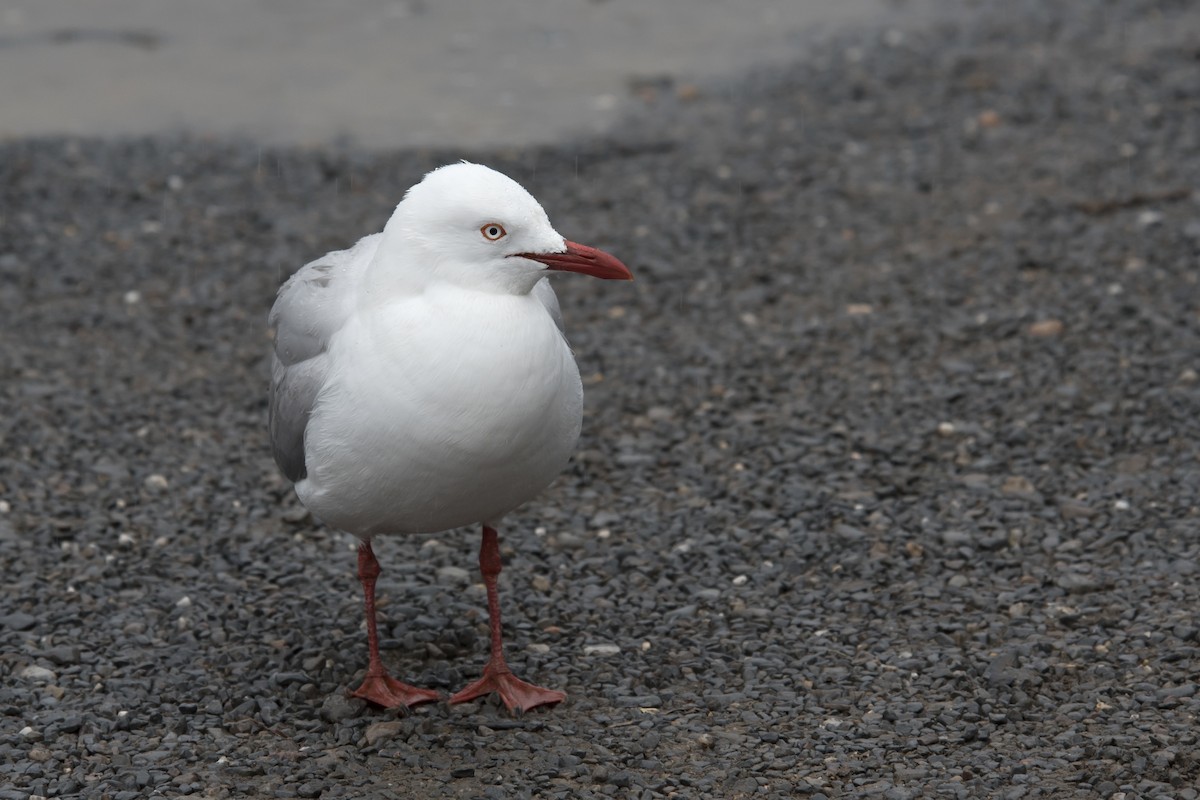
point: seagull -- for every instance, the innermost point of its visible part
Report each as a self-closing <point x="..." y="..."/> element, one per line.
<point x="421" y="381"/>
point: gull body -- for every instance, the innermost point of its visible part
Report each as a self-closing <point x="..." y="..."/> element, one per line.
<point x="421" y="381"/>
<point x="444" y="409"/>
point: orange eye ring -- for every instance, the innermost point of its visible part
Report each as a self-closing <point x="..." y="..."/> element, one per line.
<point x="493" y="231"/>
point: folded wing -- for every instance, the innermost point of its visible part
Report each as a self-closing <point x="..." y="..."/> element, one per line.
<point x="311" y="307"/>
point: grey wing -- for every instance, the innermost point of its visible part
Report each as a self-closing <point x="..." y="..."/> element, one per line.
<point x="544" y="292"/>
<point x="312" y="306"/>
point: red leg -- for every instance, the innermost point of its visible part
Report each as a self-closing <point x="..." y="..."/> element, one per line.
<point x="516" y="693"/>
<point x="378" y="687"/>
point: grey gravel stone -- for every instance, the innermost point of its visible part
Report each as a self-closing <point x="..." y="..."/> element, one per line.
<point x="338" y="707"/>
<point x="18" y="621"/>
<point x="37" y="673"/>
<point x="381" y="731"/>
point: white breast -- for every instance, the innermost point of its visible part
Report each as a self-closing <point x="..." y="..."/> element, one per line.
<point x="444" y="409"/>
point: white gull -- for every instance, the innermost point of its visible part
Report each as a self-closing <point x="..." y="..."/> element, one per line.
<point x="421" y="381"/>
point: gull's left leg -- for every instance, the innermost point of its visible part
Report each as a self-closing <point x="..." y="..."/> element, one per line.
<point x="497" y="677"/>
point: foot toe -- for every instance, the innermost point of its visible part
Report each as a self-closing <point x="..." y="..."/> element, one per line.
<point x="516" y="693"/>
<point x="386" y="691"/>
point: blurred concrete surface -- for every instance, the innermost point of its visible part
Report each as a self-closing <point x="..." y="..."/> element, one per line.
<point x="383" y="73"/>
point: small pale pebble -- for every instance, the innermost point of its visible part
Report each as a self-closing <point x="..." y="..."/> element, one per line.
<point x="537" y="647"/>
<point x="35" y="673"/>
<point x="1149" y="218"/>
<point x="452" y="574"/>
<point x="1121" y="505"/>
<point x="988" y="119"/>
<point x="125" y="539"/>
<point x="646" y="646"/>
<point x="740" y="580"/>
<point x="183" y="602"/>
<point x="601" y="649"/>
<point x="155" y="483"/>
<point x="5" y="507"/>
<point x="660" y="414"/>
<point x="945" y="428"/>
<point x="1046" y="328"/>
<point x="299" y="514"/>
<point x="132" y="297"/>
<point x="859" y="309"/>
<point x="1017" y="484"/>
<point x="382" y="731"/>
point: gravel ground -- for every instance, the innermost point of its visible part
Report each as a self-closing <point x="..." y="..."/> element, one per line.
<point x="889" y="484"/>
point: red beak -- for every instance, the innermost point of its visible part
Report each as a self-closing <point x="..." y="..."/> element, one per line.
<point x="581" y="258"/>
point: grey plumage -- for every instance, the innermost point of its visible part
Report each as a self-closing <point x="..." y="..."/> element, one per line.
<point x="544" y="292"/>
<point x="311" y="306"/>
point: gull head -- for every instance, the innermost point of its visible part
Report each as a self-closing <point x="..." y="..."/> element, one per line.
<point x="473" y="226"/>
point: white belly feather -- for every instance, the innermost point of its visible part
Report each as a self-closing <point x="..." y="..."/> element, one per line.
<point x="413" y="435"/>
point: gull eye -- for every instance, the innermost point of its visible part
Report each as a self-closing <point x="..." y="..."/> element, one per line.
<point x="493" y="231"/>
